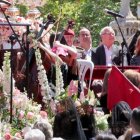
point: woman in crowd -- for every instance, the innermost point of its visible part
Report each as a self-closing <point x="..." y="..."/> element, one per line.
<point x="67" y="124"/>
<point x="102" y="96"/>
<point x="136" y="58"/>
<point x="133" y="76"/>
<point x="120" y="118"/>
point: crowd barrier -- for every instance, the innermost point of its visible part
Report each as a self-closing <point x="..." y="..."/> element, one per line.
<point x="99" y="71"/>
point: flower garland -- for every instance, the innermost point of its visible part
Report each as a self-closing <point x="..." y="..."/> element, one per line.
<point x="46" y="91"/>
<point x="59" y="79"/>
<point x="42" y="77"/>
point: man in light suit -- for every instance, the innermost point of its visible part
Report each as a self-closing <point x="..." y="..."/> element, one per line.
<point x="135" y="123"/>
<point x="108" y="53"/>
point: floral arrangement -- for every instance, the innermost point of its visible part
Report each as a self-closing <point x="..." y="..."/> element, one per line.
<point x="101" y="121"/>
<point x="72" y="90"/>
<point x="22" y="107"/>
<point x="26" y="112"/>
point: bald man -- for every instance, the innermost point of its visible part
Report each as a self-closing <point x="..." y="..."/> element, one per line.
<point x="86" y="43"/>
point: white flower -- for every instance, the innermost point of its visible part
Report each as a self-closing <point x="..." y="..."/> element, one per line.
<point x="42" y="77"/>
<point x="59" y="78"/>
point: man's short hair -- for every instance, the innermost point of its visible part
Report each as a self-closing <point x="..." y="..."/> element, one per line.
<point x="105" y="29"/>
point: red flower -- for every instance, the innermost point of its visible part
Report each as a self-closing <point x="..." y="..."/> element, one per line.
<point x="7" y="136"/>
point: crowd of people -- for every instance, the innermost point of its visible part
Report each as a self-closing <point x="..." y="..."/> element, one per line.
<point x="70" y="122"/>
<point x="67" y="126"/>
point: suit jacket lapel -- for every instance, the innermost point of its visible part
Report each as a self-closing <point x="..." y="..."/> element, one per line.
<point x="93" y="57"/>
<point x="103" y="56"/>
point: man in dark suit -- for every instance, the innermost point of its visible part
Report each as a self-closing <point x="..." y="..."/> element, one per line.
<point x="108" y="53"/>
<point x="135" y="123"/>
<point x="86" y="43"/>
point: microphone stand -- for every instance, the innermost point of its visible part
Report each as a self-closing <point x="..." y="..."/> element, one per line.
<point x="27" y="60"/>
<point x="12" y="38"/>
<point x="122" y="45"/>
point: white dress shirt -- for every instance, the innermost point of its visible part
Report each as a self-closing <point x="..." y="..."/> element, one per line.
<point x="108" y="53"/>
<point x="88" y="54"/>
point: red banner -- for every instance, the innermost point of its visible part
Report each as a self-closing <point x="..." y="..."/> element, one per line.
<point x="121" y="89"/>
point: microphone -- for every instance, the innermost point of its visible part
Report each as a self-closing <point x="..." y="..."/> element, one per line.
<point x="113" y="13"/>
<point x="5" y="2"/>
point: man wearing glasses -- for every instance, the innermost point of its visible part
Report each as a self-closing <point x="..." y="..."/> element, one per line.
<point x="108" y="53"/>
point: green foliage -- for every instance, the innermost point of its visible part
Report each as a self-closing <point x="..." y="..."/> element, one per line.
<point x="23" y="9"/>
<point x="86" y="13"/>
<point x="93" y="17"/>
<point x="101" y="122"/>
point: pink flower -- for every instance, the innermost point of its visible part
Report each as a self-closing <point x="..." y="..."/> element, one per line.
<point x="7" y="136"/>
<point x="73" y="88"/>
<point x="30" y="115"/>
<point x="43" y="114"/>
<point x="21" y="114"/>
